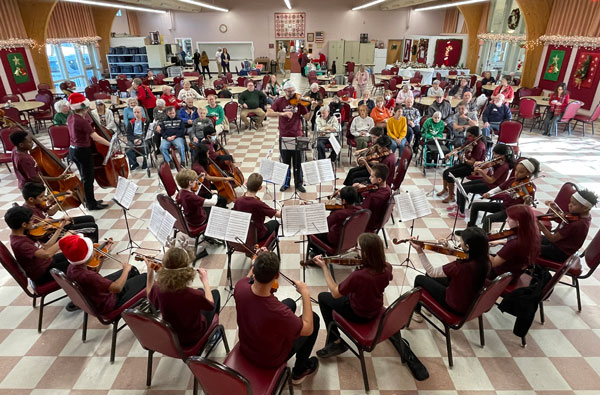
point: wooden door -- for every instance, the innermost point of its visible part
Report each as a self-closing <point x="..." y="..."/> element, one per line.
<point x="394" y="52"/>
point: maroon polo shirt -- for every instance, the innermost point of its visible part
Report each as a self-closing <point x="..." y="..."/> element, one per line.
<point x="259" y="211"/>
<point x="365" y="289"/>
<point x="266" y="327"/>
<point x="464" y="286"/>
<point x="289" y="127"/>
<point x="192" y="207"/>
<point x="516" y="259"/>
<point x="94" y="286"/>
<point x="183" y="310"/>
<point x="335" y="220"/>
<point x="24" y="250"/>
<point x="573" y="235"/>
<point x="390" y="162"/>
<point x="376" y="201"/>
<point x="26" y="169"/>
<point x="478" y="152"/>
<point x="80" y="131"/>
<point x="500" y="174"/>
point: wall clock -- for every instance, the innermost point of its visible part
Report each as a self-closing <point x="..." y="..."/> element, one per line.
<point x="223" y="28"/>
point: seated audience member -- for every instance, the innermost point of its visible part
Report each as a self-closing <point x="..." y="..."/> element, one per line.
<point x="34" y="196"/>
<point x="462" y="120"/>
<point x="404" y="93"/>
<point x="335" y="105"/>
<point x="128" y="111"/>
<point x="188" y="310"/>
<point x="104" y="293"/>
<point x="160" y="113"/>
<point x="250" y="203"/>
<point x="336" y="218"/>
<point x="360" y="127"/>
<point x="435" y="89"/>
<point x="442" y="106"/>
<point x="187" y="92"/>
<point x="136" y="134"/>
<point x="216" y="111"/>
<point x="358" y="298"/>
<point x="376" y="200"/>
<point x="104" y="116"/>
<point x="413" y="117"/>
<point x="269" y="331"/>
<point x="63" y="110"/>
<point x="558" y="103"/>
<point x="459" y="89"/>
<point x="380" y="114"/>
<point x="172" y="131"/>
<point x="315" y="96"/>
<point x="487" y="78"/>
<point x="193" y="204"/>
<point x="325" y="125"/>
<point x="367" y="101"/>
<point x="434" y="128"/>
<point x="197" y="129"/>
<point x="150" y="77"/>
<point x="252" y="101"/>
<point x="397" y="129"/>
<point x="169" y="97"/>
<point x="389" y="102"/>
<point x="273" y="89"/>
<point x="504" y="89"/>
<point x="494" y="113"/>
<point x="469" y="102"/>
<point x="188" y="112"/>
<point x="456" y="285"/>
<point x="567" y="239"/>
<point x="520" y="250"/>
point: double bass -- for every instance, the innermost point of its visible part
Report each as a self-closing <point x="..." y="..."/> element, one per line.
<point x="107" y="175"/>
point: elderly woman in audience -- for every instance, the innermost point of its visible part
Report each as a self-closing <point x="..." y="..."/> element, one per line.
<point x="63" y="110"/>
<point x="187" y="91"/>
<point x="326" y="124"/>
<point x="459" y="89"/>
<point x="361" y="126"/>
<point x="362" y="79"/>
<point x="105" y="116"/>
<point x="404" y="93"/>
<point x="315" y="96"/>
<point x="558" y="103"/>
<point x="380" y="114"/>
<point x="169" y="97"/>
<point x="435" y="89"/>
<point x="390" y="102"/>
<point x="273" y="89"/>
<point x="493" y="115"/>
<point x="366" y="100"/>
<point x="441" y="105"/>
<point x="188" y="112"/>
<point x="128" y="111"/>
<point x="505" y="89"/>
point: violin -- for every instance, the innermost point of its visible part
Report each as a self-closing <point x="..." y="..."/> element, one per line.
<point x="298" y="99"/>
<point x="332" y="207"/>
<point x="519" y="189"/>
<point x="43" y="227"/>
<point x="155" y="263"/>
<point x="196" y="187"/>
<point x="490" y="163"/>
<point x="435" y="246"/>
<point x="107" y="169"/>
<point x="224" y="188"/>
<point x="466" y="147"/>
<point x="101" y="250"/>
<point x="502" y="235"/>
<point x="335" y="260"/>
<point x="564" y="217"/>
<point x="367" y="188"/>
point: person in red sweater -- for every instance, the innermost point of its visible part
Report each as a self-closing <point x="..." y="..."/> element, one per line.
<point x="145" y="97"/>
<point x="169" y="97"/>
<point x="558" y="103"/>
<point x="250" y="203"/>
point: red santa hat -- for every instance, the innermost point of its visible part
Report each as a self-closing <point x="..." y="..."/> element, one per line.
<point x="78" y="250"/>
<point x="78" y="101"/>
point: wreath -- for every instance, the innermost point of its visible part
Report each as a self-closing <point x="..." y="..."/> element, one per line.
<point x="514" y="18"/>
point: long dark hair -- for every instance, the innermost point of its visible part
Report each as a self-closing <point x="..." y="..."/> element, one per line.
<point x="372" y="252"/>
<point x="479" y="249"/>
<point x="507" y="152"/>
<point x="564" y="88"/>
<point x="528" y="233"/>
<point x="202" y="155"/>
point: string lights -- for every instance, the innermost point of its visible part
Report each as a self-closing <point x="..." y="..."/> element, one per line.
<point x="13" y="43"/>
<point x="571" y="41"/>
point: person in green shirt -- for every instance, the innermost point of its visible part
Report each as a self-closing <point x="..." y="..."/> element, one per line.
<point x="214" y="110"/>
<point x="63" y="110"/>
<point x="251" y="101"/>
<point x="434" y="128"/>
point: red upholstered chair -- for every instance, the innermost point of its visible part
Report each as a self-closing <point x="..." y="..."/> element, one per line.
<point x="388" y="323"/>
<point x="32" y="290"/>
<point x="376" y="85"/>
<point x="527" y="110"/>
<point x="12" y="98"/>
<point x="509" y="134"/>
<point x="568" y="115"/>
<point x="236" y="375"/>
<point x="424" y="89"/>
<point x="101" y="96"/>
<point x="403" y="163"/>
<point x="352" y="227"/>
<point x="385" y="218"/>
<point x="46" y="112"/>
<point x="265" y="81"/>
<point x="270" y="243"/>
<point x="349" y="137"/>
<point x="122" y="85"/>
<point x="350" y="67"/>
<point x="156" y="335"/>
<point x="77" y="296"/>
<point x="585" y="119"/>
<point x="229" y="77"/>
<point x="104" y="86"/>
<point x="191" y="74"/>
<point x="15" y="115"/>
<point x="351" y="77"/>
<point x="393" y="86"/>
<point x="242" y="81"/>
<point x="159" y="79"/>
<point x="485" y="301"/>
<point x="231" y="112"/>
<point x="167" y="179"/>
<point x="181" y="224"/>
<point x="6" y="157"/>
<point x="209" y="92"/>
<point x="59" y="140"/>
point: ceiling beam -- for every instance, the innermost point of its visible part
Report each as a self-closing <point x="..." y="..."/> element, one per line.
<point x="395" y="4"/>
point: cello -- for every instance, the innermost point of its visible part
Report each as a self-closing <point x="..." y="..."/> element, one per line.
<point x="229" y="167"/>
<point x="224" y="188"/>
<point x="107" y="174"/>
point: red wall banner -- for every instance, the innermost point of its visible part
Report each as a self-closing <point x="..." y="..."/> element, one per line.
<point x="447" y="52"/>
<point x="17" y="70"/>
<point x="585" y="77"/>
<point x="551" y="85"/>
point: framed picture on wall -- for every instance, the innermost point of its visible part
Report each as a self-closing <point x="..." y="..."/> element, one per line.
<point x="310" y="37"/>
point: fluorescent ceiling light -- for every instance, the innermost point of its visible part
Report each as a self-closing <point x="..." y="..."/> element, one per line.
<point x="201" y="4"/>
<point x="287" y="4"/>
<point x="114" y="5"/>
<point x="367" y="5"/>
<point x="453" y="4"/>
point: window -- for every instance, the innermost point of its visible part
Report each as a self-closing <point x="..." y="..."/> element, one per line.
<point x="72" y="62"/>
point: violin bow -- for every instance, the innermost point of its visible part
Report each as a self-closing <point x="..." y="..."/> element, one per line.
<point x="52" y="194"/>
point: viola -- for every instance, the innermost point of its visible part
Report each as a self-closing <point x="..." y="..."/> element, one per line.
<point x="155" y="264"/>
<point x="434" y="246"/>
<point x="107" y="174"/>
<point x="196" y="187"/>
<point x="42" y="228"/>
<point x="367" y="188"/>
<point x="332" y="207"/>
<point x="224" y="188"/>
<point x="564" y="217"/>
<point x="101" y="250"/>
<point x="298" y="99"/>
<point x="335" y="260"/>
<point x="502" y="235"/>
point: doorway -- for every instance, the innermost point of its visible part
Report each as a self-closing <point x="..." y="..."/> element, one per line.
<point x="394" y="52"/>
<point x="289" y="45"/>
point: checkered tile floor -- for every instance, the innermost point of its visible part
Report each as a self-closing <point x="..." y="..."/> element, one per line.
<point x="562" y="356"/>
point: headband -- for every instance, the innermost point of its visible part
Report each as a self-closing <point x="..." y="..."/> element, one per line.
<point x="582" y="200"/>
<point x="528" y="165"/>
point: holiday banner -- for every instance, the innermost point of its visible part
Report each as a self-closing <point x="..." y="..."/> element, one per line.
<point x="585" y="77"/>
<point x="560" y="71"/>
<point x="554" y="65"/>
<point x="447" y="52"/>
<point x="290" y="24"/>
<point x="407" y="47"/>
<point x="422" y="51"/>
<point x="17" y="70"/>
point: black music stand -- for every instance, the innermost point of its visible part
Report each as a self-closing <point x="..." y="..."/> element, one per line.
<point x="296" y="144"/>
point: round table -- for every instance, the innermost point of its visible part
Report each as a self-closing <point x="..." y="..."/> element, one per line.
<point x="542" y="101"/>
<point x="256" y="77"/>
<point x="202" y="103"/>
<point x="159" y="88"/>
<point x="236" y="90"/>
<point x="427" y="101"/>
<point x="353" y="103"/>
<point x="325" y="78"/>
<point x="385" y="77"/>
<point x="170" y="80"/>
<point x="25" y="106"/>
<point x="332" y="89"/>
<point x="122" y="104"/>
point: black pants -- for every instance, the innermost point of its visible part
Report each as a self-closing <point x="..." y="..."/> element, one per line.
<point x="226" y="68"/>
<point x="459" y="170"/>
<point x="58" y="262"/>
<point x="134" y="284"/>
<point x="476" y="187"/>
<point x="84" y="222"/>
<point x="498" y="214"/>
<point x="197" y="67"/>
<point x="221" y="201"/>
<point x="328" y="304"/>
<point x="416" y="136"/>
<point x="551" y="252"/>
<point x="412" y="131"/>
<point x="437" y="289"/>
<point x="207" y="70"/>
<point x="322" y="149"/>
<point x="303" y="345"/>
<point x="217" y="302"/>
<point x="356" y="174"/>
<point x="289" y="156"/>
<point x="82" y="157"/>
<point x="272" y="227"/>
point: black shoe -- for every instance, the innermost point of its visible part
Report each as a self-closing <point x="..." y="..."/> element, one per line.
<point x="172" y="165"/>
<point x="98" y="206"/>
<point x="283" y="188"/>
<point x="332" y="349"/>
<point x="311" y="369"/>
<point x="134" y="166"/>
<point x="458" y="232"/>
<point x="71" y="307"/>
<point x="300" y="189"/>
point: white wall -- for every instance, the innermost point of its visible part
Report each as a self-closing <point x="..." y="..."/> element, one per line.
<point x="120" y="24"/>
<point x="255" y="22"/>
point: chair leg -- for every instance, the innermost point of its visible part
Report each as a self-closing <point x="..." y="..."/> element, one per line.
<point x="229" y="271"/>
<point x="448" y="345"/>
<point x="393" y="222"/>
<point x="195" y="390"/>
<point x="363" y="367"/>
<point x="149" y="369"/>
<point x="84" y="331"/>
<point x="384" y="238"/>
<point x="523" y="342"/>
<point x="113" y="343"/>
<point x="577" y="291"/>
<point x="481" y="335"/>
<point x="542" y="312"/>
<point x="41" y="314"/>
<point x="225" y="343"/>
<point x="35" y="297"/>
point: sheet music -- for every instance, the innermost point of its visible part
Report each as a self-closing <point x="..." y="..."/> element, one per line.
<point x="114" y="143"/>
<point x="293" y="219"/>
<point x="161" y="223"/>
<point x="325" y="170"/>
<point x="150" y="131"/>
<point x="288" y="143"/>
<point x="316" y="218"/>
<point x="420" y="203"/>
<point x="304" y="219"/>
<point x="272" y="171"/>
<point x="310" y="170"/>
<point x="459" y="186"/>
<point x="226" y="224"/>
<point x="412" y="205"/>
<point x="335" y="145"/>
<point x="125" y="192"/>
